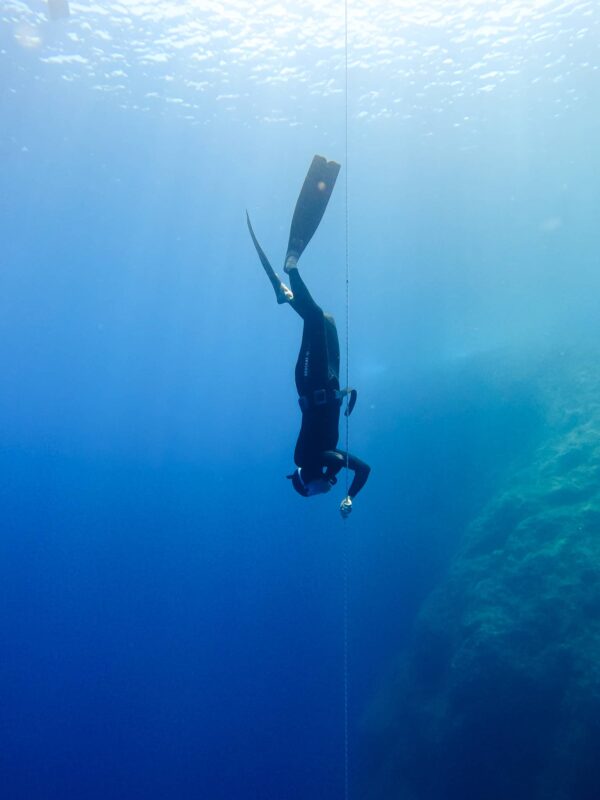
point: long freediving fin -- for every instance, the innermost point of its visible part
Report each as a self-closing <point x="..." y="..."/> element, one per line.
<point x="310" y="206"/>
<point x="278" y="286"/>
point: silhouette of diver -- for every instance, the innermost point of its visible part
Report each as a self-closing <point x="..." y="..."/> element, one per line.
<point x="317" y="458"/>
<point x="58" y="9"/>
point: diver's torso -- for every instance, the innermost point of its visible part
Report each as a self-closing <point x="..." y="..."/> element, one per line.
<point x="319" y="432"/>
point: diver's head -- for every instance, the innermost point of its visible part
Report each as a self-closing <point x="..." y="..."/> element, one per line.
<point x="310" y="487"/>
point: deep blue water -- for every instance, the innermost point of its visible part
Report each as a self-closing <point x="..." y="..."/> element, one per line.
<point x="170" y="613"/>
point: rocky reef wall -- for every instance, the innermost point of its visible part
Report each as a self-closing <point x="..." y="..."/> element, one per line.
<point x="498" y="695"/>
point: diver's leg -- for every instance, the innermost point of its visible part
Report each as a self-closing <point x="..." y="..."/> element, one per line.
<point x="319" y="339"/>
<point x="312" y="365"/>
<point x="302" y="302"/>
<point x="333" y="351"/>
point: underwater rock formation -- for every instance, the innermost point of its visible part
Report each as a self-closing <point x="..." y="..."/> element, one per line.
<point x="498" y="695"/>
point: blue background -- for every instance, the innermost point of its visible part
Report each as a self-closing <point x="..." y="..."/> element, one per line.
<point x="170" y="612"/>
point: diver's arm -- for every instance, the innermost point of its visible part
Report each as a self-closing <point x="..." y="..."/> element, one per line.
<point x="361" y="474"/>
<point x="335" y="460"/>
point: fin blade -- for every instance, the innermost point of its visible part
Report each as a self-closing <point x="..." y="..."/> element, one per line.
<point x="261" y="253"/>
<point x="311" y="204"/>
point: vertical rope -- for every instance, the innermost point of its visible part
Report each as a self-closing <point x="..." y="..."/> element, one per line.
<point x="346" y="544"/>
<point x="347" y="231"/>
<point x="346" y="726"/>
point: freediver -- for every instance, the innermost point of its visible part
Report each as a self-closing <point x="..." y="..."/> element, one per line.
<point x="317" y="459"/>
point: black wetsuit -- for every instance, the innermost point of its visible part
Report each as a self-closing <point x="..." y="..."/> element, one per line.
<point x="318" y="367"/>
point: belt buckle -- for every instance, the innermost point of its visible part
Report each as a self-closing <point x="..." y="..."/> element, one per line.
<point x="320" y="397"/>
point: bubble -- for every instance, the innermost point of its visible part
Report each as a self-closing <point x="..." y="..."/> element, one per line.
<point x="321" y="186"/>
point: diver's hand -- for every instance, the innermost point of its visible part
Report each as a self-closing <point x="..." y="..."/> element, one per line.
<point x="346" y="507"/>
